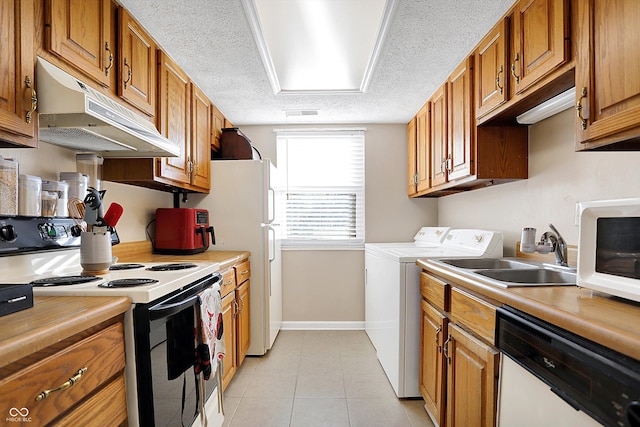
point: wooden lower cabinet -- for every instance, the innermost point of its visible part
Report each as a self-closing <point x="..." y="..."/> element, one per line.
<point x="236" y="317"/>
<point x="432" y="369"/>
<point x="243" y="319"/>
<point x="81" y="383"/>
<point x="472" y="380"/>
<point x="459" y="366"/>
<point x="229" y="365"/>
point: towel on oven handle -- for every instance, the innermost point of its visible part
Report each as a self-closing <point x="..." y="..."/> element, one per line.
<point x="208" y="331"/>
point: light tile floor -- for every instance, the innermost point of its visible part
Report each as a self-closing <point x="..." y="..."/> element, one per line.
<point x="318" y="378"/>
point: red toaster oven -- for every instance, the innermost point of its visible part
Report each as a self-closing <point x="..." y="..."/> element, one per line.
<point x="182" y="231"/>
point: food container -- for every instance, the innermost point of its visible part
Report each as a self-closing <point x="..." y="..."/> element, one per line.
<point x="8" y="186"/>
<point x="29" y="195"/>
<point x="78" y="184"/>
<point x="61" y="189"/>
<point x="49" y="202"/>
<point x="90" y="164"/>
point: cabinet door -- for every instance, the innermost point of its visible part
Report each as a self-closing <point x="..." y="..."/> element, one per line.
<point x="217" y="123"/>
<point x="540" y="40"/>
<point x="243" y="337"/>
<point x="79" y="32"/>
<point x="460" y="138"/>
<point x="607" y="81"/>
<point x="137" y="61"/>
<point x="200" y="139"/>
<point x="174" y="117"/>
<point x="438" y="165"/>
<point x="423" y="147"/>
<point x="472" y="380"/>
<point x="412" y="167"/>
<point x="229" y="366"/>
<point x="17" y="110"/>
<point x="491" y="70"/>
<point x="432" y="371"/>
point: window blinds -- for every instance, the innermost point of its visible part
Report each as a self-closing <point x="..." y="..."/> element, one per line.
<point x="324" y="194"/>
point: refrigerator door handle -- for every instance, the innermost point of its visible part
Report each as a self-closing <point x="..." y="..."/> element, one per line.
<point x="272" y="242"/>
<point x="271" y="208"/>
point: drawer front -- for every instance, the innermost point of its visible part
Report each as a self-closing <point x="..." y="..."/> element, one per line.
<point x="101" y="354"/>
<point x="228" y="282"/>
<point x="243" y="271"/>
<point x="435" y="291"/>
<point x="108" y="407"/>
<point x="473" y="313"/>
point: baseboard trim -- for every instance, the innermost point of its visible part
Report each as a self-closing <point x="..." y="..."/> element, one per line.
<point x="318" y="326"/>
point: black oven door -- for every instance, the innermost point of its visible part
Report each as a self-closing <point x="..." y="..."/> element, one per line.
<point x="165" y="353"/>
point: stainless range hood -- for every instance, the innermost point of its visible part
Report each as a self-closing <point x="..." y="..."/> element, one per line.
<point x="76" y="116"/>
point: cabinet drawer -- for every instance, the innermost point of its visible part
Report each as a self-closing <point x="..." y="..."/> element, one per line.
<point x="477" y="315"/>
<point x="102" y="354"/>
<point x="243" y="271"/>
<point x="435" y="291"/>
<point x="108" y="407"/>
<point x="228" y="281"/>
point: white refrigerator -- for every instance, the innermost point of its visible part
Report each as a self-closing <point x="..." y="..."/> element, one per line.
<point x="243" y="210"/>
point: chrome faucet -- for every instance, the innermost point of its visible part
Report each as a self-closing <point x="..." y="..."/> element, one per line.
<point x="549" y="241"/>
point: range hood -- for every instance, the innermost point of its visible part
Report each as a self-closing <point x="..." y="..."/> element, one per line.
<point x="76" y="116"/>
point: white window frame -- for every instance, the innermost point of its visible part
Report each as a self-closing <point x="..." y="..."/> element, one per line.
<point x="356" y="188"/>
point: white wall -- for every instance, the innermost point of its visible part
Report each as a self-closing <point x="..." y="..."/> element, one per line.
<point x="558" y="178"/>
<point x="328" y="286"/>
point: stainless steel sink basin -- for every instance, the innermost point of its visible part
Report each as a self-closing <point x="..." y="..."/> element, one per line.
<point x="531" y="276"/>
<point x="488" y="263"/>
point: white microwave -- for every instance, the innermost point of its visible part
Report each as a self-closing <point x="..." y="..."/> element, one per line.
<point x="609" y="247"/>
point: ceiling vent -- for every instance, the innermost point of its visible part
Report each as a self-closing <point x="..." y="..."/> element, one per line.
<point x="298" y="113"/>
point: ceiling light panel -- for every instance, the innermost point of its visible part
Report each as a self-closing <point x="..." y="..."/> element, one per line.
<point x="318" y="45"/>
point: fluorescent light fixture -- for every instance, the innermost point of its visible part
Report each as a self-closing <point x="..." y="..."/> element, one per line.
<point x="553" y="106"/>
<point x="319" y="46"/>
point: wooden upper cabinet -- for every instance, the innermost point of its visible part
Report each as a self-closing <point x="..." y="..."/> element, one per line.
<point x="18" y="100"/>
<point x="217" y="123"/>
<point x="438" y="166"/>
<point x="423" y="148"/>
<point x="461" y="123"/>
<point x="173" y="117"/>
<point x="607" y="79"/>
<point x="137" y="64"/>
<point x="412" y="167"/>
<point x="79" y="32"/>
<point x="491" y="69"/>
<point x="200" y="139"/>
<point x="540" y="40"/>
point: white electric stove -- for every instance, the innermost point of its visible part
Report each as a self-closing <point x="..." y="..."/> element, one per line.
<point x="392" y="294"/>
<point x="44" y="253"/>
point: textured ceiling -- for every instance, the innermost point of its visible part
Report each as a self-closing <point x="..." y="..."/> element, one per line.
<point x="213" y="43"/>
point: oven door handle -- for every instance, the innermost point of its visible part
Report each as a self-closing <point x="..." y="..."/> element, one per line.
<point x="165" y="310"/>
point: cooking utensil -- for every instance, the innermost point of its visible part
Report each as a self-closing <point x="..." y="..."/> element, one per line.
<point x="113" y="214"/>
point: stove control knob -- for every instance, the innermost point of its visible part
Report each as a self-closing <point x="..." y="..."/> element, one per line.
<point x="8" y="233"/>
<point x="76" y="231"/>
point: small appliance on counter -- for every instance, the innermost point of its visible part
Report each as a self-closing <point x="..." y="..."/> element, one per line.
<point x="14" y="298"/>
<point x="182" y="231"/>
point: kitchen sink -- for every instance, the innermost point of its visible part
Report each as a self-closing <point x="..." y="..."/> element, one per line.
<point x="488" y="263"/>
<point x="531" y="276"/>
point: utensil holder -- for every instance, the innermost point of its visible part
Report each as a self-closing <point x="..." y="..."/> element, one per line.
<point x="95" y="252"/>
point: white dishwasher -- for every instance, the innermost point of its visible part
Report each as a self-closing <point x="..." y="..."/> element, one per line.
<point x="392" y="294"/>
<point x="551" y="377"/>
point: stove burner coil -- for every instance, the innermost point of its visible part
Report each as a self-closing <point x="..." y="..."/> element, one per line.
<point x="64" y="280"/>
<point x="116" y="267"/>
<point x="126" y="283"/>
<point x="172" y="266"/>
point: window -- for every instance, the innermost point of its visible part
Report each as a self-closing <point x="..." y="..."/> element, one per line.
<point x="323" y="194"/>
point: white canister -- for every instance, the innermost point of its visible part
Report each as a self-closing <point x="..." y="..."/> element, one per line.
<point x="61" y="189"/>
<point x="78" y="184"/>
<point x="29" y="195"/>
<point x="95" y="252"/>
